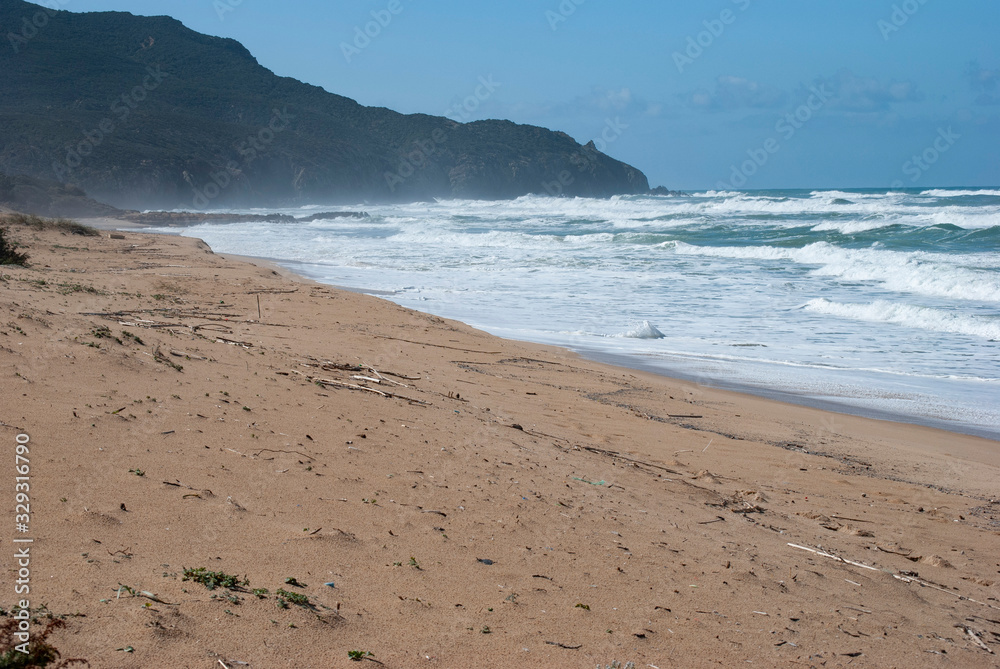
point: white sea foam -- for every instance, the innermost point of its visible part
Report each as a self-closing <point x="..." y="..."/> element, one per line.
<point x="720" y="193"/>
<point x="960" y="193"/>
<point x="644" y="330"/>
<point x="919" y="272"/>
<point x="715" y="269"/>
<point x="908" y="315"/>
<point x="853" y="227"/>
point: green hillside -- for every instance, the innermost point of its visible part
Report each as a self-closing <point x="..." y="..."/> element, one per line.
<point x="143" y="112"/>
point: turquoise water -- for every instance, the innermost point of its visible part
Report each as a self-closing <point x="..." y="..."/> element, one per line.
<point x="876" y="301"/>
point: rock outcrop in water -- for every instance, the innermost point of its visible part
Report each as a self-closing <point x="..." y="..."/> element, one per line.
<point x="143" y="112"/>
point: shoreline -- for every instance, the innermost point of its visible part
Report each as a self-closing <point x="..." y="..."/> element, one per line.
<point x="665" y="371"/>
<point x="798" y="399"/>
<point x="438" y="495"/>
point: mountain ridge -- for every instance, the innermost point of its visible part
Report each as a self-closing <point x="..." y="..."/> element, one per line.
<point x="153" y="114"/>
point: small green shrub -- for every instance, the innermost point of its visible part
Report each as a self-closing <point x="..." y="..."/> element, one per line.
<point x="214" y="579"/>
<point x="8" y="256"/>
<point x="292" y="597"/>
<point x="358" y="655"/>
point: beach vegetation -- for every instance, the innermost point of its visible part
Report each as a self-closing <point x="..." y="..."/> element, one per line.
<point x="63" y="225"/>
<point x="358" y="655"/>
<point x="8" y="254"/>
<point x="292" y="598"/>
<point x="214" y="579"/>
<point x="104" y="332"/>
<point x="68" y="288"/>
<point x="37" y="653"/>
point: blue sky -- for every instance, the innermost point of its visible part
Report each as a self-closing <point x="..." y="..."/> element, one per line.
<point x="697" y="94"/>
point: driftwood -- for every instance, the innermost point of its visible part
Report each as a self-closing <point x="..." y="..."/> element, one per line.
<point x="975" y="637"/>
<point x="271" y="450"/>
<point x="347" y="367"/>
<point x="616" y="454"/>
<point x="899" y="577"/>
<point x="191" y="356"/>
<point x="354" y="386"/>
<point x="453" y="348"/>
<point x="233" y="342"/>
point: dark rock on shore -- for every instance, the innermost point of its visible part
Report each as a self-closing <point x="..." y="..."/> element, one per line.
<point x="663" y="190"/>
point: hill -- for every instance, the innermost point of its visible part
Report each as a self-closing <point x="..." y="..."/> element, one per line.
<point x="144" y="112"/>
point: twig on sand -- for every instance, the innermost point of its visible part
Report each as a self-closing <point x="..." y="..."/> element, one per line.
<point x="453" y="348"/>
<point x="178" y="484"/>
<point x="565" y="645"/>
<point x="533" y="433"/>
<point x="381" y="378"/>
<point x="975" y="637"/>
<point x="354" y="386"/>
<point x="271" y="450"/>
<point x="616" y="454"/>
<point x="898" y="577"/>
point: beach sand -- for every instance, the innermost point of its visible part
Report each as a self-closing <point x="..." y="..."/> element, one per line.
<point x="446" y="498"/>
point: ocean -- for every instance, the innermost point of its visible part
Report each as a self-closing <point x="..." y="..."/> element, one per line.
<point x="862" y="301"/>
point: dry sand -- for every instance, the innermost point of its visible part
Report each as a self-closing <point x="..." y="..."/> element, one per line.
<point x="504" y="504"/>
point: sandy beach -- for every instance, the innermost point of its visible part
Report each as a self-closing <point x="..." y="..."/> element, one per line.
<point x="440" y="497"/>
